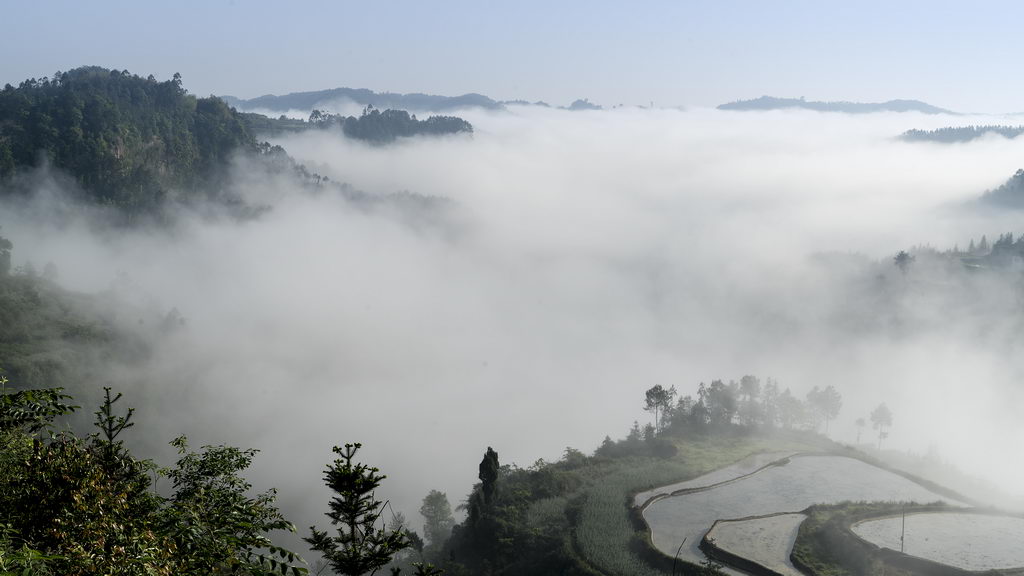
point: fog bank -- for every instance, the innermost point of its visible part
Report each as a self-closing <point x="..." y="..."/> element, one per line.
<point x="586" y="257"/>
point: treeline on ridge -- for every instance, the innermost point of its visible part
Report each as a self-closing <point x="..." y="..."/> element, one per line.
<point x="951" y="134"/>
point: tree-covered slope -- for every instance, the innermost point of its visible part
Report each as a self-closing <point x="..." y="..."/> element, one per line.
<point x="128" y="141"/>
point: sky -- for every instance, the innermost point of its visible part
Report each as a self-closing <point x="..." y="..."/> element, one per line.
<point x="956" y="55"/>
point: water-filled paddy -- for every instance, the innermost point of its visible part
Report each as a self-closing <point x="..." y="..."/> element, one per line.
<point x="968" y="541"/>
<point x="748" y="465"/>
<point x="804" y="481"/>
<point x="767" y="541"/>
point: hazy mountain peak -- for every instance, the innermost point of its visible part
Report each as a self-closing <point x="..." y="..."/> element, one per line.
<point x="775" y="103"/>
<point x="362" y="96"/>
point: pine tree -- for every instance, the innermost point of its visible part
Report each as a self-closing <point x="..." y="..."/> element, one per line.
<point x="363" y="544"/>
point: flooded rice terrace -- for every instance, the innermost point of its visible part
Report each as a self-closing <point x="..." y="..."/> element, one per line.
<point x="968" y="541"/>
<point x="790" y="487"/>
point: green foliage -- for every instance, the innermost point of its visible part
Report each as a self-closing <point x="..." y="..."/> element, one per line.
<point x="85" y="506"/>
<point x="362" y="545"/>
<point x="31" y="410"/>
<point x="18" y="559"/>
<point x="126" y="140"/>
<point x="214" y="525"/>
<point x="423" y="569"/>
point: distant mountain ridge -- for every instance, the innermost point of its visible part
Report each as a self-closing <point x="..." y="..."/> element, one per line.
<point x="365" y="97"/>
<point x="773" y="103"/>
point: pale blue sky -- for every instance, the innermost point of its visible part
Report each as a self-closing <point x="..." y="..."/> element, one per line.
<point x="959" y="55"/>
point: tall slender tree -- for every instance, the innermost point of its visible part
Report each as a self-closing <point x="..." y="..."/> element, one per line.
<point x="489" y="474"/>
<point x="437" y="516"/>
<point x="363" y="544"/>
<point x="881" y="418"/>
<point x="658" y="400"/>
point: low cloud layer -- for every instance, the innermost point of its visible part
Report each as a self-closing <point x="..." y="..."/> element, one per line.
<point x="585" y="258"/>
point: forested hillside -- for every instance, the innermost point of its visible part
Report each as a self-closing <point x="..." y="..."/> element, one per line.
<point x="51" y="336"/>
<point x="128" y="141"/>
<point x="1009" y="195"/>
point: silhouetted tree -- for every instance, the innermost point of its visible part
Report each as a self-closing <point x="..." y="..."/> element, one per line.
<point x="720" y="400"/>
<point x="363" y="544"/>
<point x="489" y="474"/>
<point x="903" y="260"/>
<point x="659" y="400"/>
<point x="437" y="515"/>
<point x="791" y="409"/>
<point x="881" y="418"/>
<point x="825" y="403"/>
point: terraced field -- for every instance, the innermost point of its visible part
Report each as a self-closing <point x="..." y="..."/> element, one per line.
<point x="791" y="486"/>
<point x="766" y="541"/>
<point x="970" y="541"/>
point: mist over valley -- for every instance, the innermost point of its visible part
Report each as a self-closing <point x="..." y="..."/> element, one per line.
<point x="767" y="326"/>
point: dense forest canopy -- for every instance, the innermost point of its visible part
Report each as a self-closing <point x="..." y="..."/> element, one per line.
<point x="128" y="141"/>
